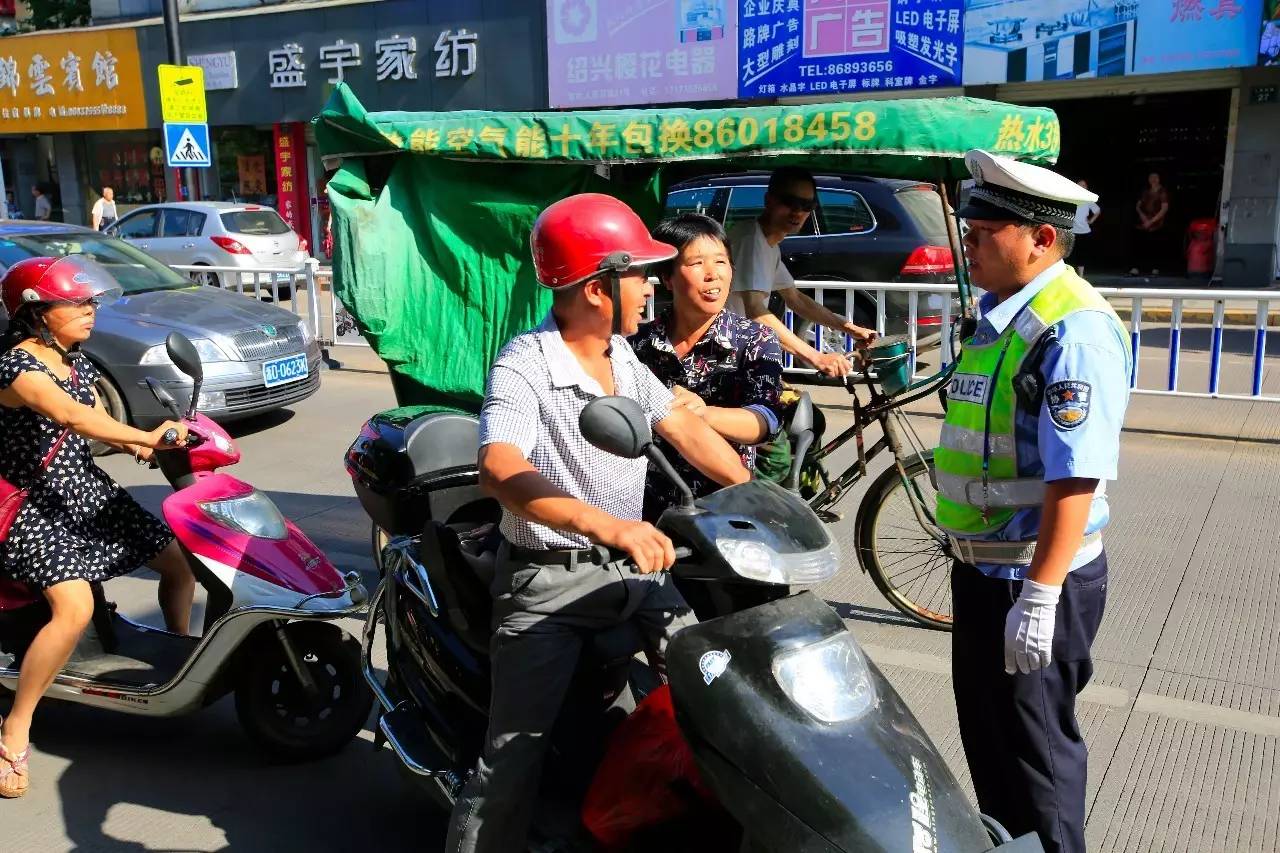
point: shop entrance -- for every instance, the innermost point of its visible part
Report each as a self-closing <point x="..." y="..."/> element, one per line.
<point x="1114" y="143"/>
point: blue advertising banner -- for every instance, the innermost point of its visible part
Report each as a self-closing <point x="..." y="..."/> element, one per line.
<point x="805" y="47"/>
<point x="1017" y="41"/>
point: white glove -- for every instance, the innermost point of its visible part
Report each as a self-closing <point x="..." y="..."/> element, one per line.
<point x="1028" y="629"/>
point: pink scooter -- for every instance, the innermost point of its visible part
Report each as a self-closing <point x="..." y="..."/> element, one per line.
<point x="268" y="636"/>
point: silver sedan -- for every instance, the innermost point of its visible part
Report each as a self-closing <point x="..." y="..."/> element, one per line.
<point x="257" y="357"/>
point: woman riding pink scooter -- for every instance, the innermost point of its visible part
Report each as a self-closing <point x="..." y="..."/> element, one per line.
<point x="76" y="526"/>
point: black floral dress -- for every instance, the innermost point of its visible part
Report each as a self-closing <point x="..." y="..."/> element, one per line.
<point x="77" y="523"/>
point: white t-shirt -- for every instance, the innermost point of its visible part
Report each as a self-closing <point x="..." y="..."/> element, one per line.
<point x="1083" y="212"/>
<point x="104" y="209"/>
<point x="44" y="209"/>
<point x="756" y="265"/>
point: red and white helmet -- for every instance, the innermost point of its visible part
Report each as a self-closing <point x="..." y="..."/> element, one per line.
<point x="584" y="235"/>
<point x="71" y="279"/>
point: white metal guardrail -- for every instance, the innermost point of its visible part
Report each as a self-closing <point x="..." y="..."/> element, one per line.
<point x="1213" y="317"/>
<point x="929" y="321"/>
<point x="281" y="284"/>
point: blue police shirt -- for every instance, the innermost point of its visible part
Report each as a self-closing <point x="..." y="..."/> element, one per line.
<point x="1077" y="433"/>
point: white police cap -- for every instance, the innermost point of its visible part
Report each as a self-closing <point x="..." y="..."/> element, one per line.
<point x="1009" y="190"/>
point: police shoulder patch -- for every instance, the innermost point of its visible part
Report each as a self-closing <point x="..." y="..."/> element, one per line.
<point x="1068" y="402"/>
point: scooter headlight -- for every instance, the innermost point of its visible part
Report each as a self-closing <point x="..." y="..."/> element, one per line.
<point x="756" y="561"/>
<point x="830" y="680"/>
<point x="253" y="514"/>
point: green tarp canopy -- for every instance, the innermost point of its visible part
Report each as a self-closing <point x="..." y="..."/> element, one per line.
<point x="432" y="211"/>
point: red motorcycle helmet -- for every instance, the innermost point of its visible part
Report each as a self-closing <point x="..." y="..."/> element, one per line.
<point x="583" y="236"/>
<point x="47" y="281"/>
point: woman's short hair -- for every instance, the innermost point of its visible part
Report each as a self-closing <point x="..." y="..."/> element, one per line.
<point x="680" y="231"/>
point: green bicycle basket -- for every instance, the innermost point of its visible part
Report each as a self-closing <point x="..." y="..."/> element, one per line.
<point x="891" y="360"/>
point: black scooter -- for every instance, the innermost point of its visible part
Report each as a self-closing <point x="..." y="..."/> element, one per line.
<point x="799" y="736"/>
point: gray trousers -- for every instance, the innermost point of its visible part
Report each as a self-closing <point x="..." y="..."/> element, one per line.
<point x="542" y="614"/>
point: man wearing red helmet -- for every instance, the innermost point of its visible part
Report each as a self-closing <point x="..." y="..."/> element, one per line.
<point x="563" y="498"/>
<point x="76" y="525"/>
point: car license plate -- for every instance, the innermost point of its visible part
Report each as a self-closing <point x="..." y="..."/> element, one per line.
<point x="282" y="371"/>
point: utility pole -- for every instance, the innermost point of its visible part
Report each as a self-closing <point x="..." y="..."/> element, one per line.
<point x="175" y="58"/>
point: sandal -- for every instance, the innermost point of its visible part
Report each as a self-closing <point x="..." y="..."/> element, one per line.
<point x="14" y="779"/>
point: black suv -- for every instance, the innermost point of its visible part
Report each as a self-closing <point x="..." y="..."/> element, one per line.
<point x="864" y="229"/>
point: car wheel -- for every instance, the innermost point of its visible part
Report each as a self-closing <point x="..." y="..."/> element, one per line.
<point x="114" y="403"/>
<point x="209" y="279"/>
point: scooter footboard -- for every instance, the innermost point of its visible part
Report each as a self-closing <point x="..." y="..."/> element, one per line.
<point x="801" y="736"/>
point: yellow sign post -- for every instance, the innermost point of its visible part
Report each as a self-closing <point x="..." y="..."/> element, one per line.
<point x="182" y="94"/>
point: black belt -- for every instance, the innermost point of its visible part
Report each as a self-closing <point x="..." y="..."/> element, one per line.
<point x="597" y="555"/>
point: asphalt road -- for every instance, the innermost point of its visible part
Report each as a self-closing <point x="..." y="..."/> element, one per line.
<point x="1183" y="718"/>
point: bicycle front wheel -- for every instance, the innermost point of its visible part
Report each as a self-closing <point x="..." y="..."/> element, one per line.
<point x="908" y="565"/>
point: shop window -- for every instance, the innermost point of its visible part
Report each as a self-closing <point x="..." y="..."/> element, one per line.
<point x="844" y="212"/>
<point x="134" y="169"/>
<point x="182" y="223"/>
<point x="139" y="226"/>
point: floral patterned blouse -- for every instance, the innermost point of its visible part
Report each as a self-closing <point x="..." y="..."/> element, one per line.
<point x="736" y="364"/>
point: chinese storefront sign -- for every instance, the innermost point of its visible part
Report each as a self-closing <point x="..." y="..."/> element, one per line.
<point x="799" y="47"/>
<point x="1030" y="40"/>
<point x="610" y="52"/>
<point x="395" y="58"/>
<point x="291" y="176"/>
<point x="1192" y="35"/>
<point x="252" y="171"/>
<point x="71" y="82"/>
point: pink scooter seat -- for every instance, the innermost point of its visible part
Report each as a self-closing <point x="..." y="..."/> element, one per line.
<point x="15" y="595"/>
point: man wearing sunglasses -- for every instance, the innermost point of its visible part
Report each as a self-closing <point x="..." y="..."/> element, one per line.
<point x="758" y="270"/>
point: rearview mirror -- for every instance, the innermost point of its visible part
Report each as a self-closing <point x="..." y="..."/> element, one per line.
<point x="184" y="356"/>
<point x="616" y="425"/>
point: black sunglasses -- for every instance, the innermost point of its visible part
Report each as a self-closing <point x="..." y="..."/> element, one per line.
<point x="796" y="202"/>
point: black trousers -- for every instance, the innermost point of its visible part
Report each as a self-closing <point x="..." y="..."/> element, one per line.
<point x="1021" y="739"/>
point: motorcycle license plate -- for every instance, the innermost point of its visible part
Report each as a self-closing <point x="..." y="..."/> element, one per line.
<point x="282" y="371"/>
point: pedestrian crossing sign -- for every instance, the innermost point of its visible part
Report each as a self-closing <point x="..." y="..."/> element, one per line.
<point x="186" y="145"/>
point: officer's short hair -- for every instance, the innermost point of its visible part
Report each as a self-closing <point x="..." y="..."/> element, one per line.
<point x="1064" y="239"/>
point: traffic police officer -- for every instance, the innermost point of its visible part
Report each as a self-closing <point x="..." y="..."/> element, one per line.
<point x="1031" y="436"/>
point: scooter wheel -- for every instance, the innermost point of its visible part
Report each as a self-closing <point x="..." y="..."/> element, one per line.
<point x="283" y="718"/>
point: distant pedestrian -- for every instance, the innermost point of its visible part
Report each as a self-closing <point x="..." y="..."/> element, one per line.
<point x="1153" y="212"/>
<point x="1086" y="215"/>
<point x="44" y="209"/>
<point x="104" y="210"/>
<point x="12" y="211"/>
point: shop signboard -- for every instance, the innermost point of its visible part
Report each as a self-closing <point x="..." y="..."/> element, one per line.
<point x="1195" y="35"/>
<point x="613" y="52"/>
<point x="1015" y="41"/>
<point x="219" y="69"/>
<point x="803" y="47"/>
<point x="291" y="180"/>
<point x="58" y="82"/>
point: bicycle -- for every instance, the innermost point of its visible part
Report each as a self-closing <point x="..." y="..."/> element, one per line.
<point x="898" y="540"/>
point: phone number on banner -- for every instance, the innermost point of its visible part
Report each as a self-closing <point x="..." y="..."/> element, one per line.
<point x="620" y="140"/>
